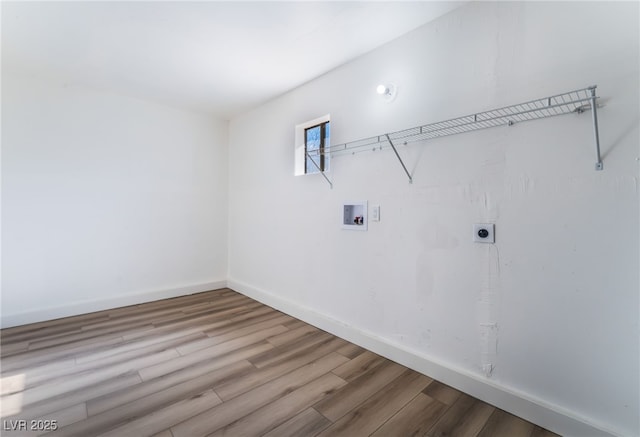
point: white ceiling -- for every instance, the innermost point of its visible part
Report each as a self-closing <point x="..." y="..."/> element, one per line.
<point x="218" y="57"/>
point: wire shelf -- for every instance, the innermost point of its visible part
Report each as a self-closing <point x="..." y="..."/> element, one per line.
<point x="576" y="101"/>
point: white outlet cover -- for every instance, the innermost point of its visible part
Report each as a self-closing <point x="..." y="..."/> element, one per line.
<point x="375" y="213"/>
<point x="490" y="233"/>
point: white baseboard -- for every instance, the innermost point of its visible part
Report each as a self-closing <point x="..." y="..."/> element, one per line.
<point x="90" y="306"/>
<point x="554" y="418"/>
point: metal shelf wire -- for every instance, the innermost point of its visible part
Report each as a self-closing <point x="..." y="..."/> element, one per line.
<point x="576" y="101"/>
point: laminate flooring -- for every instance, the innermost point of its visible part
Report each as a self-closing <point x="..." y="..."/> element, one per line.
<point x="221" y="364"/>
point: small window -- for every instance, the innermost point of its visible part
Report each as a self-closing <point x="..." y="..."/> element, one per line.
<point x="312" y="146"/>
<point x="316" y="139"/>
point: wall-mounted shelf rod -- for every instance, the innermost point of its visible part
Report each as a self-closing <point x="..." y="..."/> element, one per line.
<point x="404" y="167"/>
<point x="570" y="102"/>
<point x="319" y="169"/>
<point x="594" y="116"/>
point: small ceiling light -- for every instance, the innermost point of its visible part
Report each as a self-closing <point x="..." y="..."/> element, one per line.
<point x="387" y="91"/>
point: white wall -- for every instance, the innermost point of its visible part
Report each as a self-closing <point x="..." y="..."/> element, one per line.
<point x="107" y="200"/>
<point x="561" y="283"/>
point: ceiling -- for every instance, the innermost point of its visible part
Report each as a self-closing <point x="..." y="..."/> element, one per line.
<point x="222" y="58"/>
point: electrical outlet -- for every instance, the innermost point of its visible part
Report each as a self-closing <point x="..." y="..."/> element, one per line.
<point x="375" y="213"/>
<point x="484" y="233"/>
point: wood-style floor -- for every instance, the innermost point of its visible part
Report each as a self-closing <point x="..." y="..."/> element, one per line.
<point x="219" y="363"/>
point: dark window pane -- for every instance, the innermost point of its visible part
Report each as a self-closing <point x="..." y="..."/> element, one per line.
<point x="316" y="139"/>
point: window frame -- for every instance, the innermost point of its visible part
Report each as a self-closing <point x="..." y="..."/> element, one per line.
<point x="321" y="148"/>
<point x="300" y="146"/>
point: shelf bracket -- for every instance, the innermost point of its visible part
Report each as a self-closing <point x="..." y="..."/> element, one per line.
<point x="399" y="159"/>
<point x="319" y="169"/>
<point x="594" y="116"/>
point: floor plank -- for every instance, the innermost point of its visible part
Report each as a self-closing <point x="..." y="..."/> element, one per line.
<point x="213" y="355"/>
<point x="282" y="409"/>
<point x="237" y="386"/>
<point x="295" y="333"/>
<point x="358" y="366"/>
<point x="366" y="418"/>
<point x="465" y="417"/>
<point x="350" y="350"/>
<point x="72" y="382"/>
<point x="503" y="424"/>
<point x="541" y="432"/>
<point x="285" y="351"/>
<point x="309" y="422"/>
<point x="443" y="393"/>
<point x="240" y="406"/>
<point x="140" y="390"/>
<point x="415" y="418"/>
<point x="70" y="398"/>
<point x="161" y="419"/>
<point x="343" y="401"/>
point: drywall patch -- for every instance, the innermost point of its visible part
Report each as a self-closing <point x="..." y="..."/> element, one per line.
<point x="488" y="347"/>
<point x="525" y="184"/>
<point x="488" y="308"/>
<point x="476" y="194"/>
<point x="522" y="185"/>
<point x="472" y="193"/>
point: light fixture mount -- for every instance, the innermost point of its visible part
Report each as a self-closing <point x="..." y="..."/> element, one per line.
<point x="387" y="91"/>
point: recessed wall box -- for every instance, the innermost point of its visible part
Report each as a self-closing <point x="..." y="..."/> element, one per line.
<point x="354" y="215"/>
